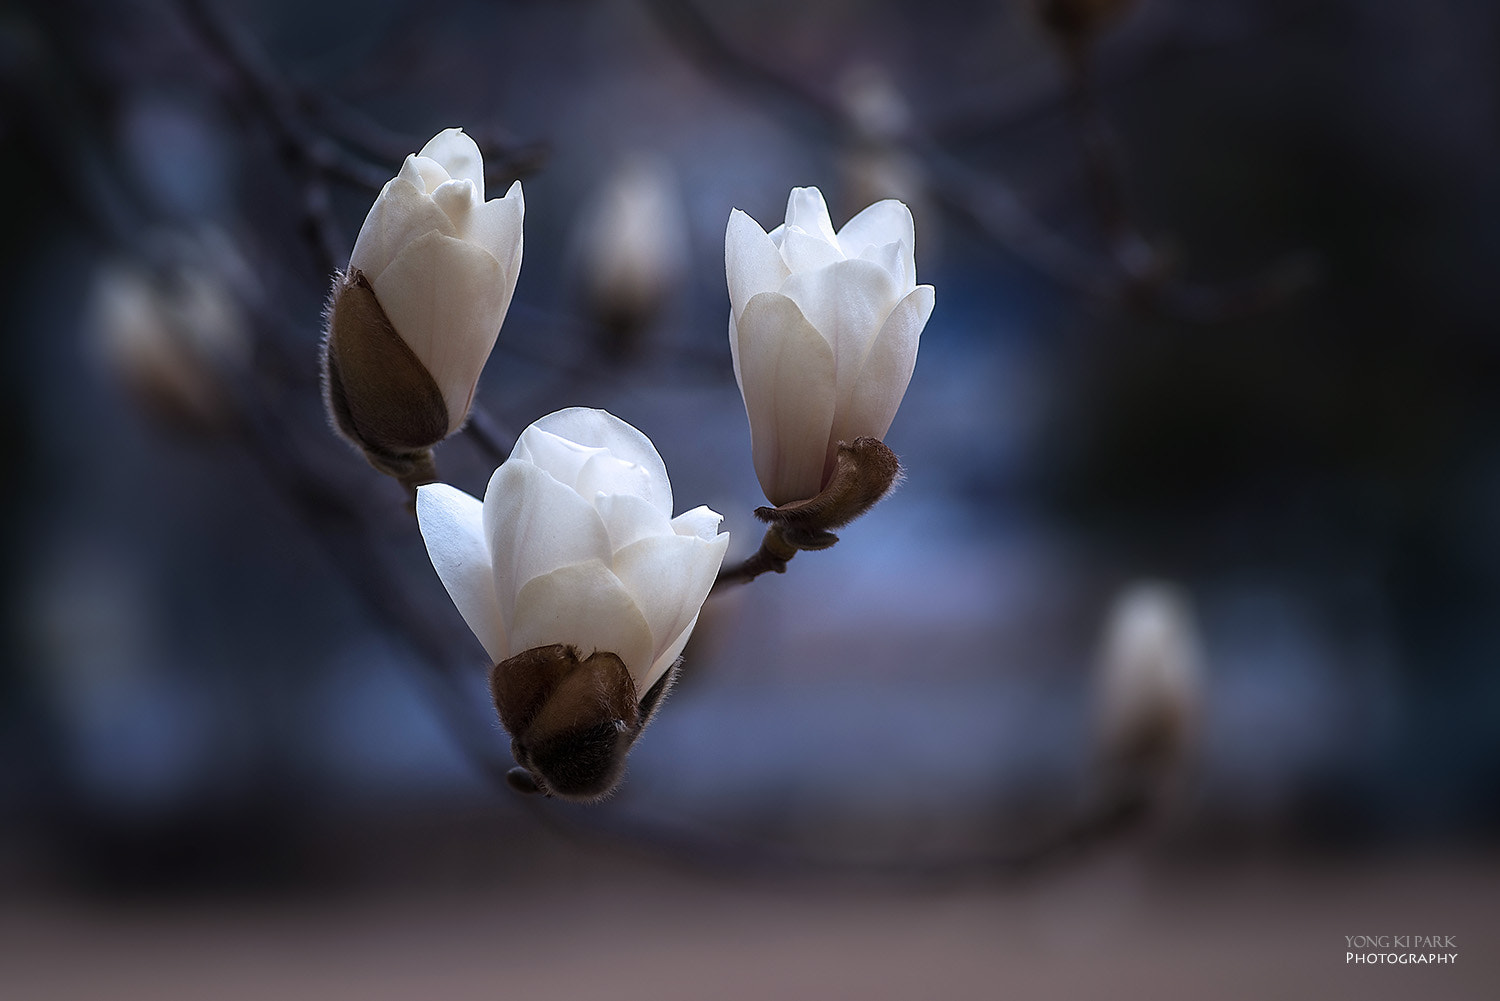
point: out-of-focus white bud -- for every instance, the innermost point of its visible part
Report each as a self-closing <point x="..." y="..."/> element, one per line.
<point x="575" y="543"/>
<point x="412" y="321"/>
<point x="823" y="330"/>
<point x="1150" y="675"/>
<point x="875" y="162"/>
<point x="632" y="247"/>
<point x="176" y="334"/>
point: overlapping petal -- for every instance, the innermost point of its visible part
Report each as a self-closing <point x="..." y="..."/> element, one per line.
<point x="598" y="429"/>
<point x="670" y="575"/>
<point x="884" y="222"/>
<point x="446" y="299"/>
<point x="459" y="154"/>
<point x="752" y="262"/>
<point x="535" y="525"/>
<point x="787" y="373"/>
<point x="402" y="213"/>
<point x="584" y="605"/>
<point x="875" y="391"/>
<point x="452" y="525"/>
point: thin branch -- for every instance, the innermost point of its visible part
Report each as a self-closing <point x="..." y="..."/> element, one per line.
<point x="1123" y="278"/>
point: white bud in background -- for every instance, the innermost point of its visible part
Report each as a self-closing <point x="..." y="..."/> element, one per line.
<point x="631" y="245"/>
<point x="413" y="320"/>
<point x="823" y="330"/>
<point x="174" y="333"/>
<point x="1150" y="677"/>
<point x="875" y="162"/>
<point x="575" y="544"/>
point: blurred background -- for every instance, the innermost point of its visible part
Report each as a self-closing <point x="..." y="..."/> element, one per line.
<point x="1215" y="307"/>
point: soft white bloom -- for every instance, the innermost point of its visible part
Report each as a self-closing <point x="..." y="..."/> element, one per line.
<point x="823" y="329"/>
<point x="575" y="543"/>
<point x="175" y="335"/>
<point x="443" y="262"/>
<point x="632" y="241"/>
<point x="1149" y="672"/>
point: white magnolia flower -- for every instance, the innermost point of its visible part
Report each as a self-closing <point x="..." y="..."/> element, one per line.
<point x="823" y="329"/>
<point x="575" y="543"/>
<point x="443" y="262"/>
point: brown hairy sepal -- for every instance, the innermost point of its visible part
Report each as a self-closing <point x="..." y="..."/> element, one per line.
<point x="379" y="394"/>
<point x="864" y="471"/>
<point x="572" y="719"/>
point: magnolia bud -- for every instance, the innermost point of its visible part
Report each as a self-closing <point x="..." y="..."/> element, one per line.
<point x="823" y="331"/>
<point x="412" y="321"/>
<point x="175" y="335"/>
<point x="1149" y="678"/>
<point x="574" y="548"/>
<point x="632" y="244"/>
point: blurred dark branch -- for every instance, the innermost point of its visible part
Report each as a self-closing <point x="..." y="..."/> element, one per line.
<point x="341" y="527"/>
<point x="698" y="39"/>
<point x="307" y="127"/>
<point x="1129" y="275"/>
<point x="309" y="158"/>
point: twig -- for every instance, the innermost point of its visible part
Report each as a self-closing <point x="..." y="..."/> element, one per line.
<point x="1124" y="278"/>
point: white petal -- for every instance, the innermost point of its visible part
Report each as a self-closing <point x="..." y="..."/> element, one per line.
<point x="752" y="264"/>
<point x="562" y="457"/>
<point x="881" y="382"/>
<point x="584" y="605"/>
<point x="458" y="200"/>
<point x="700" y="521"/>
<point x="601" y="429"/>
<point x="452" y="525"/>
<point x="669" y="577"/>
<point x="788" y="384"/>
<point x="664" y="661"/>
<point x="897" y="260"/>
<point x="447" y="299"/>
<point x="884" y="222"/>
<point x="630" y="519"/>
<point x="497" y="227"/>
<point x="805" y="252"/>
<point x="734" y="352"/>
<point x="848" y="303"/>
<point x="458" y="154"/>
<point x="534" y="525"/>
<point x="423" y="173"/>
<point x="806" y="210"/>
<point x="400" y="215"/>
<point x="605" y="474"/>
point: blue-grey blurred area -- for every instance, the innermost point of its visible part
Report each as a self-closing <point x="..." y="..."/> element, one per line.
<point x="1224" y="315"/>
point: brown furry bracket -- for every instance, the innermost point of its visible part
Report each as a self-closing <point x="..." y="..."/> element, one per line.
<point x="864" y="471"/>
<point x="379" y="394"/>
<point x="572" y="719"/>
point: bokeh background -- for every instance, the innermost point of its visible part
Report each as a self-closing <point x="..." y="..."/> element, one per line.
<point x="1215" y="305"/>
